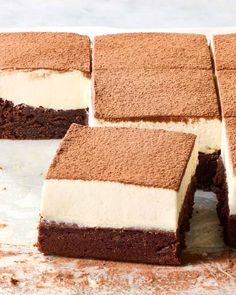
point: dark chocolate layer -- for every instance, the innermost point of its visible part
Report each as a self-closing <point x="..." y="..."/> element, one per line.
<point x="25" y="122"/>
<point x="227" y="221"/>
<point x="131" y="245"/>
<point x="206" y="170"/>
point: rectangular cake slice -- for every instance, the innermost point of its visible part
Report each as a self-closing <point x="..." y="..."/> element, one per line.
<point x="119" y="194"/>
<point x="224" y="50"/>
<point x="170" y="99"/>
<point x="224" y="47"/>
<point x="225" y="181"/>
<point x="44" y="83"/>
<point x="227" y="90"/>
<point x="151" y="51"/>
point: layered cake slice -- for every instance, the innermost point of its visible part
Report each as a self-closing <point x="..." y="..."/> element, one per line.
<point x="151" y="51"/>
<point x="44" y="83"/>
<point x="225" y="181"/>
<point x="170" y="99"/>
<point x="227" y="89"/>
<point x="224" y="50"/>
<point x="119" y="194"/>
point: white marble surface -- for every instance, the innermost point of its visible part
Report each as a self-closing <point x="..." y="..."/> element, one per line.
<point x="122" y="13"/>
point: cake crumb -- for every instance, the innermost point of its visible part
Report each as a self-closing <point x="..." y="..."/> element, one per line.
<point x="14" y="281"/>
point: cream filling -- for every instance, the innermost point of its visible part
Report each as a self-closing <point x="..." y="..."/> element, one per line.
<point x="50" y="89"/>
<point x="230" y="177"/>
<point x="115" y="205"/>
<point x="208" y="132"/>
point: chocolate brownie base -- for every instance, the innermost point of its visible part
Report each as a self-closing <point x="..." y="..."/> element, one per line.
<point x="26" y="122"/>
<point x="227" y="221"/>
<point x="130" y="245"/>
<point x="206" y="170"/>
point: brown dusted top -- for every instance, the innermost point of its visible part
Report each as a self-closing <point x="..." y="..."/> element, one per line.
<point x="154" y="95"/>
<point x="224" y="48"/>
<point x="227" y="90"/>
<point x="153" y="158"/>
<point x="45" y="50"/>
<point x="230" y="124"/>
<point x="151" y="51"/>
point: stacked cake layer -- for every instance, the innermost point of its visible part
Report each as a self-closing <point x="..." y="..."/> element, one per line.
<point x="44" y="83"/>
<point x="119" y="193"/>
<point x="224" y="47"/>
<point x="162" y="81"/>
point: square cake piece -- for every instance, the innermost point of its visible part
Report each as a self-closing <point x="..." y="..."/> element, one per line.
<point x="151" y="51"/>
<point x="224" y="50"/>
<point x="44" y="83"/>
<point x="119" y="194"/>
<point x="170" y="99"/>
<point x="225" y="181"/>
<point x="224" y="47"/>
<point x="227" y="90"/>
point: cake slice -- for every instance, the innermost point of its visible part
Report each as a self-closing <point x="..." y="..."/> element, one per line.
<point x="224" y="47"/>
<point x="119" y="194"/>
<point x="170" y="99"/>
<point x="224" y="50"/>
<point x="225" y="181"/>
<point x="151" y="51"/>
<point x="227" y="90"/>
<point x="44" y="83"/>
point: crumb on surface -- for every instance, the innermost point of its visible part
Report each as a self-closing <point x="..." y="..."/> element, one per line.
<point x="14" y="281"/>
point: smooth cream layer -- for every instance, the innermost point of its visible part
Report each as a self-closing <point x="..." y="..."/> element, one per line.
<point x="208" y="132"/>
<point x="116" y="205"/>
<point x="230" y="177"/>
<point x="50" y="89"/>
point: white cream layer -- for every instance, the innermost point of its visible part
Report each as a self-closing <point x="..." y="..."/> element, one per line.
<point x="208" y="132"/>
<point x="230" y="177"/>
<point x="50" y="89"/>
<point x="115" y="205"/>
